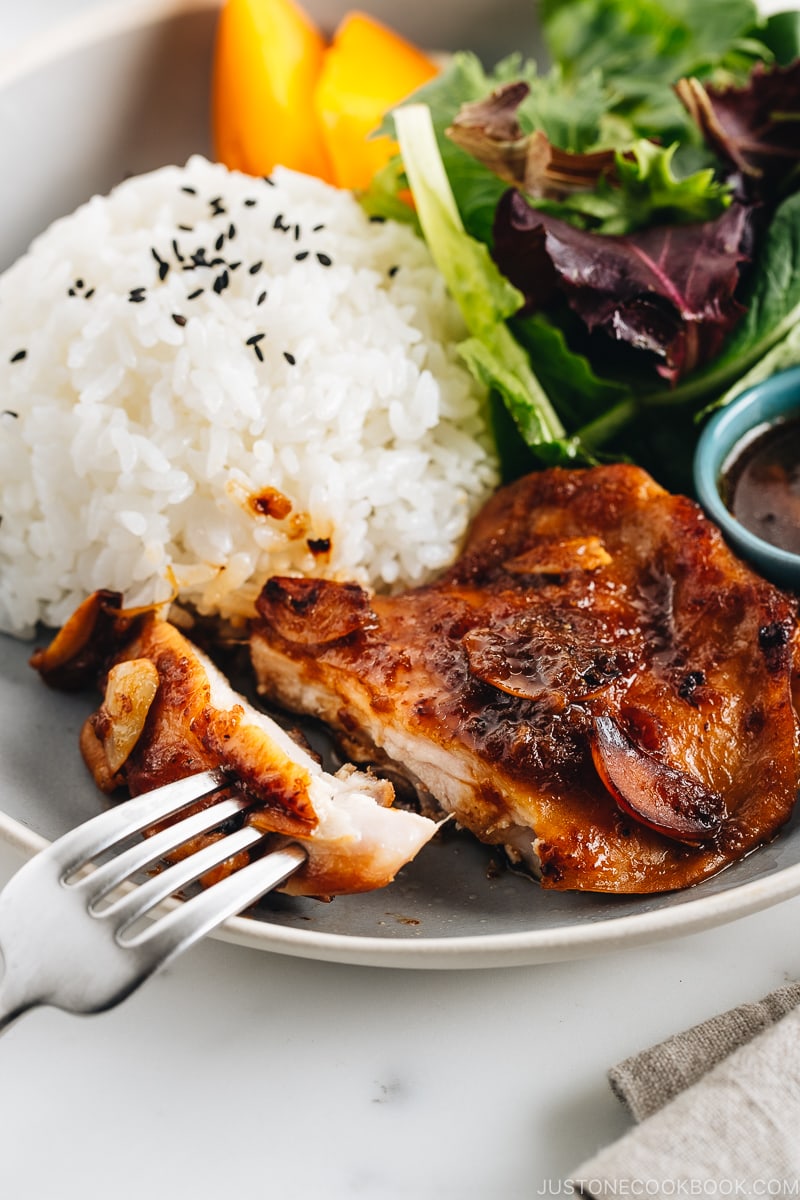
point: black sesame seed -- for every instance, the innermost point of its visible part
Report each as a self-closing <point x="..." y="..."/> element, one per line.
<point x="71" y="291"/>
<point x="234" y="266"/>
<point x="221" y="282"/>
<point x="136" y="295"/>
<point x="250" y="203"/>
<point x="317" y="228"/>
<point x="220" y="242"/>
<point x="278" y="222"/>
<point x="261" y="298"/>
<point x="9" y="412"/>
<point x="79" y="283"/>
<point x="324" y="260"/>
<point x="163" y="267"/>
<point x="256" y="267"/>
<point x="297" y="233"/>
<point x="393" y="271"/>
<point x="89" y="294"/>
<point x="190" y="191"/>
<point x="268" y="179"/>
<point x="255" y="339"/>
<point x="197" y="292"/>
<point x="216" y="262"/>
<point x="290" y="358"/>
<point x="231" y="230"/>
<point x="376" y="220"/>
<point x="18" y="357"/>
<point x="186" y="228"/>
<point x="259" y="353"/>
<point x="178" y="319"/>
<point x="176" y="250"/>
<point x="199" y="257"/>
<point x="302" y="255"/>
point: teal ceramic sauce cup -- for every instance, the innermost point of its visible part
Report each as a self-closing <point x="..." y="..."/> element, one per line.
<point x="759" y="406"/>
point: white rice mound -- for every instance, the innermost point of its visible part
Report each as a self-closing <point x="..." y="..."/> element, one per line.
<point x="153" y="434"/>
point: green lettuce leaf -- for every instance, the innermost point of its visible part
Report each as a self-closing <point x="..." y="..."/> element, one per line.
<point x="484" y="295"/>
<point x="572" y="113"/>
<point x="642" y="48"/>
<point x="784" y="354"/>
<point x="382" y="199"/>
<point x="781" y="35"/>
<point x="673" y="37"/>
<point x="583" y="399"/>
<point x="647" y="192"/>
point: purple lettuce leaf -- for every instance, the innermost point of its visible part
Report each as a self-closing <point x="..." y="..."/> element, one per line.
<point x="667" y="291"/>
<point x="489" y="130"/>
<point x="756" y="128"/>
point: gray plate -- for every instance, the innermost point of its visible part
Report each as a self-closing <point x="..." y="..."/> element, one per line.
<point x="122" y="92"/>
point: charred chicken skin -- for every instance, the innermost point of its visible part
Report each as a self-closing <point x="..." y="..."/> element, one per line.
<point x="167" y="712"/>
<point x="597" y="684"/>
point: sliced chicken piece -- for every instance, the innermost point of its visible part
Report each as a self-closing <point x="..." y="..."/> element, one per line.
<point x="598" y="684"/>
<point x="168" y="712"/>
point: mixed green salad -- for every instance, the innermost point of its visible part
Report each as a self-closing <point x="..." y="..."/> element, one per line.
<point x="621" y="228"/>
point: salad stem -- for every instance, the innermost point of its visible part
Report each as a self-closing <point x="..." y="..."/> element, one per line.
<point x="603" y="428"/>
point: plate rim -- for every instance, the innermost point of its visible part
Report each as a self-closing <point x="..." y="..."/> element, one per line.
<point x="472" y="951"/>
<point x="459" y="951"/>
<point x="99" y="21"/>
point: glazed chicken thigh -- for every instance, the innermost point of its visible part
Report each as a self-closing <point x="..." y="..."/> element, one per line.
<point x="597" y="684"/>
<point x="168" y="712"/>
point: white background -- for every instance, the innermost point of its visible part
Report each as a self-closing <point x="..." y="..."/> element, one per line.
<point x="247" y="1075"/>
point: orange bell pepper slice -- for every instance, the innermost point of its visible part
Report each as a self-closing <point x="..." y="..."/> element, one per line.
<point x="367" y="70"/>
<point x="267" y="58"/>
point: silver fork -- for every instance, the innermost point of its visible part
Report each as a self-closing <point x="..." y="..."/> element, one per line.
<point x="69" y="939"/>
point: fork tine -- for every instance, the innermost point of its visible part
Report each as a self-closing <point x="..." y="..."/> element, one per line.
<point x="128" y="908"/>
<point x="195" y="918"/>
<point x="104" y="879"/>
<point x="87" y="962"/>
<point x="102" y="832"/>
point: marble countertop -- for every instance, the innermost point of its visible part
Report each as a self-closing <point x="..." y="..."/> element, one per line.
<point x="244" y="1074"/>
<point x="250" y="1075"/>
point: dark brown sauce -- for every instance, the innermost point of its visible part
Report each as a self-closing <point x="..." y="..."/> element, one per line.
<point x="761" y="484"/>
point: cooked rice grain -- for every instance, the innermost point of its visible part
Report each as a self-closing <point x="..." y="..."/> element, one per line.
<point x="208" y="378"/>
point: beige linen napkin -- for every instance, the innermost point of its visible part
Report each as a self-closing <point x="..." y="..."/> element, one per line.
<point x="720" y="1110"/>
<point x="648" y="1081"/>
